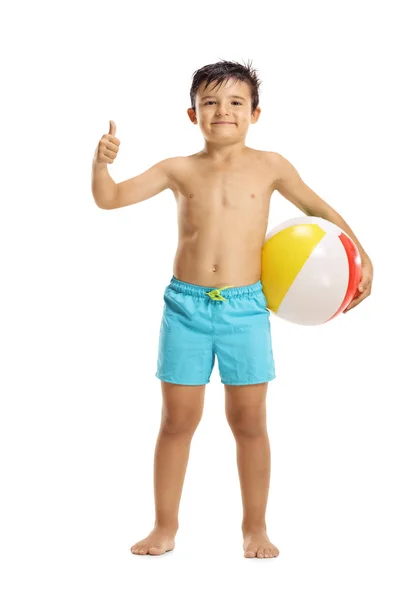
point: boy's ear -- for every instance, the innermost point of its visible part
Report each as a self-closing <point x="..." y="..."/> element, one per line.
<point x="255" y="115"/>
<point x="192" y="115"/>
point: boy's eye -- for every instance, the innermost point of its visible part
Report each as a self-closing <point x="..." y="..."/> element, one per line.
<point x="236" y="101"/>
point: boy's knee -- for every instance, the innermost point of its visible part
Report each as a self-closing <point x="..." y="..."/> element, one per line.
<point x="248" y="425"/>
<point x="180" y="425"/>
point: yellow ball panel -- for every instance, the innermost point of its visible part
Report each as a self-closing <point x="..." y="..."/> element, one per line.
<point x="283" y="256"/>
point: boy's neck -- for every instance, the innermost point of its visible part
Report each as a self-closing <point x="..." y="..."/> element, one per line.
<point x="219" y="153"/>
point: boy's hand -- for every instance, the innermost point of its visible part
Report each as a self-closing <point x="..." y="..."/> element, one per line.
<point x="107" y="148"/>
<point x="364" y="288"/>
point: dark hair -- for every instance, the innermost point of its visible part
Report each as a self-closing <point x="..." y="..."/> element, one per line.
<point x="221" y="71"/>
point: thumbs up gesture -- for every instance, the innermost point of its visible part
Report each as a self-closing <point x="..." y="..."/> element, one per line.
<point x="107" y="148"/>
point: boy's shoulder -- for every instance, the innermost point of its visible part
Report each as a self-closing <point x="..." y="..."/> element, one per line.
<point x="274" y="157"/>
<point x="176" y="167"/>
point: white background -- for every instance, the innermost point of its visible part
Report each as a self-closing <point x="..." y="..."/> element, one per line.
<point x="82" y="293"/>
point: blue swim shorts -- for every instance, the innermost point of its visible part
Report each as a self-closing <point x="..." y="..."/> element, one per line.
<point x="201" y="322"/>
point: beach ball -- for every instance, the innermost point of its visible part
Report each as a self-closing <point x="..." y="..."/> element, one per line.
<point x="310" y="270"/>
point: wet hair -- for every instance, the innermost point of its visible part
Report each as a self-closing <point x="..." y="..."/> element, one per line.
<point x="222" y="71"/>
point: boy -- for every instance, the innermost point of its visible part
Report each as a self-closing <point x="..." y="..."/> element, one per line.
<point x="214" y="304"/>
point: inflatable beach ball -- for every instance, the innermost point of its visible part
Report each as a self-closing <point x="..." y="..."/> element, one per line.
<point x="310" y="270"/>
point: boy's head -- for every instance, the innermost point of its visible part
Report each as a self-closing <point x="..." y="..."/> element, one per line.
<point x="212" y="103"/>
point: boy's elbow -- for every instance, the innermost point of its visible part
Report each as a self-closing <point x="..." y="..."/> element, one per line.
<point x="107" y="205"/>
<point x="102" y="206"/>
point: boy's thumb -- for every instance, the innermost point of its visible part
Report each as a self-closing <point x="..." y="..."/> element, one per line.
<point x="113" y="128"/>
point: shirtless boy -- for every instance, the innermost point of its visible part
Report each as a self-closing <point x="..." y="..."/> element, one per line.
<point x="214" y="304"/>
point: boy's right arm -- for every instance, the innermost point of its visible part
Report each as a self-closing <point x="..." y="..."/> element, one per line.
<point x="104" y="188"/>
<point x="109" y="195"/>
<point x="146" y="185"/>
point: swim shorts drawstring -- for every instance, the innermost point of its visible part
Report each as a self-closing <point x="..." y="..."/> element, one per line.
<point x="215" y="294"/>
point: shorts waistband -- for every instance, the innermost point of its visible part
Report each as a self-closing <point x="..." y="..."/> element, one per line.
<point x="227" y="291"/>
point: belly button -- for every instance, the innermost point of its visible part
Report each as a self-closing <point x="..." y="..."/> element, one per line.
<point x="214" y="268"/>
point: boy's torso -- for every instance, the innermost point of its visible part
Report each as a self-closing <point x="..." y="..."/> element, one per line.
<point x="223" y="214"/>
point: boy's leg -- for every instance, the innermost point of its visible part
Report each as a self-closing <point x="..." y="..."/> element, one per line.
<point x="182" y="410"/>
<point x="245" y="408"/>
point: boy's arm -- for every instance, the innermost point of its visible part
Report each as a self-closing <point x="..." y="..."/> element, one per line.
<point x="289" y="183"/>
<point x="146" y="185"/>
<point x="110" y="195"/>
<point x="104" y="188"/>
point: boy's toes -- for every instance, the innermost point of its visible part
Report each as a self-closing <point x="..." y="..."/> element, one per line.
<point x="249" y="554"/>
<point x="260" y="553"/>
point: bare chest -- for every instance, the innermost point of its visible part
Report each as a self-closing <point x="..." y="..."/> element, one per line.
<point x="223" y="200"/>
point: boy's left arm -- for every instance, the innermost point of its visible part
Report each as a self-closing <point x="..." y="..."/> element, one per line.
<point x="289" y="183"/>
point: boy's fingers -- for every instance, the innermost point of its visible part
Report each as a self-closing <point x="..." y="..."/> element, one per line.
<point x="359" y="299"/>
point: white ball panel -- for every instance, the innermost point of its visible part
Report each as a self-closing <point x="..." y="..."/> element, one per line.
<point x="320" y="287"/>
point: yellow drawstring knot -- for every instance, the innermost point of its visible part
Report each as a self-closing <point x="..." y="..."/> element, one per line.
<point x="215" y="294"/>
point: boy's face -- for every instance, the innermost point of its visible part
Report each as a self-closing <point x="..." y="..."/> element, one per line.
<point x="216" y="103"/>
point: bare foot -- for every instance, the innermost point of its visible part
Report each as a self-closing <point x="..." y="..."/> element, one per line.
<point x="158" y="542"/>
<point x="257" y="545"/>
